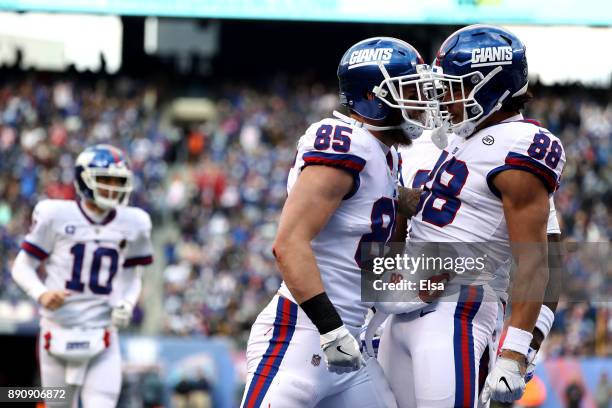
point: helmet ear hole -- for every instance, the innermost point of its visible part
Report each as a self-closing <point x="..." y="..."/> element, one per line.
<point x="368" y="95"/>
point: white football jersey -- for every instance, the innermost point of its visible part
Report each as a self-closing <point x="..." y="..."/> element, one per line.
<point x="367" y="213"/>
<point x="460" y="202"/>
<point x="83" y="256"/>
<point x="417" y="160"/>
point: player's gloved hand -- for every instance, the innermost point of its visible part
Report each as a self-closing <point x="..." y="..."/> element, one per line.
<point x="531" y="364"/>
<point x="122" y="314"/>
<point x="341" y="350"/>
<point x="505" y="383"/>
<point x="53" y="299"/>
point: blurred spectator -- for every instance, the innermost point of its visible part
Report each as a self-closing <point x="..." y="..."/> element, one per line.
<point x="152" y="389"/>
<point x="217" y="187"/>
<point x="603" y="393"/>
<point x="192" y="393"/>
<point x="534" y="396"/>
<point x="574" y="394"/>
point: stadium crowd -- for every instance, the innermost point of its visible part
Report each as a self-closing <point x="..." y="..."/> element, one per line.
<point x="220" y="186"/>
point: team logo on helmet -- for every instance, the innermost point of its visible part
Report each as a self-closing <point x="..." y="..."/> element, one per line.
<point x="482" y="57"/>
<point x="369" y="56"/>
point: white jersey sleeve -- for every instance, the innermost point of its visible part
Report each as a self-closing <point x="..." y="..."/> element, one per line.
<point x="539" y="153"/>
<point x="333" y="143"/>
<point x="40" y="240"/>
<point x="553" y="223"/>
<point x="25" y="275"/>
<point x="139" y="251"/>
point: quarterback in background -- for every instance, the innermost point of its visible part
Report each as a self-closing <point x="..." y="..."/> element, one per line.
<point x="490" y="185"/>
<point x="92" y="250"/>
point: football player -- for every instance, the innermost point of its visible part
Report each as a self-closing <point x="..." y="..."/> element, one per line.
<point x="302" y="350"/>
<point x="491" y="184"/>
<point x="417" y="160"/>
<point x="92" y="249"/>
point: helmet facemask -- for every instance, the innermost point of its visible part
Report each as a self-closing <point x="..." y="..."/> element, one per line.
<point x="462" y="89"/>
<point x="108" y="195"/>
<point x="413" y="95"/>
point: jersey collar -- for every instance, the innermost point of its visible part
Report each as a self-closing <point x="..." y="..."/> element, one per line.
<point x="515" y="118"/>
<point x="107" y="218"/>
<point x="386" y="149"/>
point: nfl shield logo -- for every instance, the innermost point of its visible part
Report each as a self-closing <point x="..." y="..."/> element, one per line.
<point x="316" y="360"/>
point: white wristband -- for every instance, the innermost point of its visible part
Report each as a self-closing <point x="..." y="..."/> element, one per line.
<point x="545" y="320"/>
<point x="517" y="340"/>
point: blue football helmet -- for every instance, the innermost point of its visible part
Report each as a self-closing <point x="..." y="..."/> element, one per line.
<point x="103" y="161"/>
<point x="484" y="64"/>
<point x="375" y="78"/>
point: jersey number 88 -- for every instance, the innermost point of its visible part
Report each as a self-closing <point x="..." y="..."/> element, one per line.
<point x="440" y="204"/>
<point x="539" y="147"/>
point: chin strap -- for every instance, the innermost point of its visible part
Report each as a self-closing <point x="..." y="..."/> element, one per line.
<point x="439" y="136"/>
<point x="464" y="130"/>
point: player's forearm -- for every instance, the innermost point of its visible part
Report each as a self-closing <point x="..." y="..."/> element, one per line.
<point x="408" y="201"/>
<point x="529" y="286"/>
<point x="298" y="267"/>
<point x="297" y="264"/>
<point x="131" y="282"/>
<point x="399" y="234"/>
<point x="555" y="267"/>
<point x="25" y="275"/>
<point x="553" y="288"/>
<point x="526" y="209"/>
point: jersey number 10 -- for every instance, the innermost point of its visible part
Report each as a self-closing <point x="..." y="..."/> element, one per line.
<point x="78" y="251"/>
